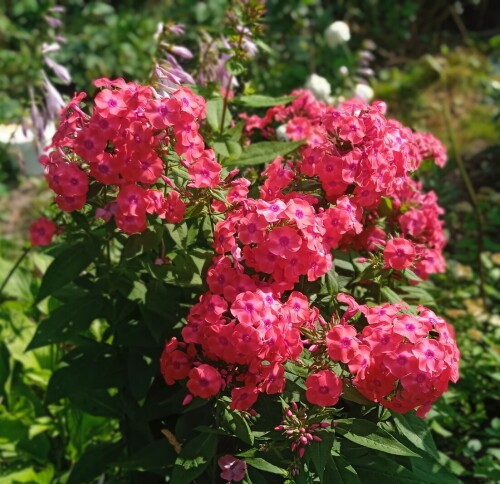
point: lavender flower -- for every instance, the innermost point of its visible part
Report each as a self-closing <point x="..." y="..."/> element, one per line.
<point x="53" y="99"/>
<point x="60" y="71"/>
<point x="46" y="48"/>
<point x="53" y="22"/>
<point x="181" y="51"/>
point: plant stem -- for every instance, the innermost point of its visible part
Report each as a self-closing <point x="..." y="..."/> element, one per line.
<point x="228" y="87"/>
<point x="14" y="268"/>
<point x="473" y="198"/>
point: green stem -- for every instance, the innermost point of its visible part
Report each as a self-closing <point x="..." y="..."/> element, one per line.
<point x="14" y="268"/>
<point x="473" y="198"/>
<point x="228" y="87"/>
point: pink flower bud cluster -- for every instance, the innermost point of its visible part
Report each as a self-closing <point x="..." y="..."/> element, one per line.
<point x="127" y="144"/>
<point x="299" y="429"/>
<point x="401" y="360"/>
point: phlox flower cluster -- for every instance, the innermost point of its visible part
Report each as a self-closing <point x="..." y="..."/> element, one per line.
<point x="401" y="360"/>
<point x="238" y="337"/>
<point x="358" y="155"/>
<point x="285" y="238"/>
<point x="252" y="320"/>
<point x="417" y="217"/>
<point x="127" y="144"/>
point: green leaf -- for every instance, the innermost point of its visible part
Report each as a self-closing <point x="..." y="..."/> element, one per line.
<point x="64" y="268"/>
<point x="352" y="394"/>
<point x="94" y="461"/>
<point x="255" y="477"/>
<point x="93" y="367"/>
<point x="138" y="243"/>
<point x="234" y="133"/>
<point x="235" y="67"/>
<point x="367" y="434"/>
<point x="264" y="465"/>
<point x="265" y="151"/>
<point x="432" y="472"/>
<point x="227" y="148"/>
<point x="215" y="109"/>
<point x="390" y="295"/>
<point x="157" y="455"/>
<point x="68" y="320"/>
<point x="342" y="261"/>
<point x="260" y="101"/>
<point x="340" y="471"/>
<point x="4" y="366"/>
<point x="98" y="402"/>
<point x="238" y="426"/>
<point x="320" y="453"/>
<point x="377" y="468"/>
<point x="417" y="431"/>
<point x="194" y="458"/>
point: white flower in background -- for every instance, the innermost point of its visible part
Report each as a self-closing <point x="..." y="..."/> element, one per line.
<point x="343" y="71"/>
<point x="319" y="86"/>
<point x="337" y="33"/>
<point x="281" y="133"/>
<point x="363" y="92"/>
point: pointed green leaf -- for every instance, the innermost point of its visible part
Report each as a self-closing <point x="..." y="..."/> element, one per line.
<point x="340" y="471"/>
<point x="66" y="267"/>
<point x="194" y="458"/>
<point x="264" y="465"/>
<point x="368" y="434"/>
<point x="320" y="452"/>
<point x="239" y="426"/>
<point x="68" y="320"/>
<point x="265" y="151"/>
<point x="215" y="108"/>
<point x="95" y="460"/>
<point x="260" y="101"/>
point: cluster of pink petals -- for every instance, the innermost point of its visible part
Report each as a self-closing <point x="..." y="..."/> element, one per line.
<point x="124" y="144"/>
<point x="401" y="360"/>
<point x="357" y="154"/>
<point x="246" y="327"/>
<point x="285" y="238"/>
<point x="416" y="214"/>
<point x="238" y="337"/>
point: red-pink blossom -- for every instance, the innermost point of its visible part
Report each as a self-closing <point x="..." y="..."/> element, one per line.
<point x="42" y="231"/>
<point x="323" y="388"/>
